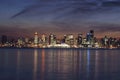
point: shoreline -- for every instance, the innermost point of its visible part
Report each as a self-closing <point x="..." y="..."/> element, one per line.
<point x="60" y="48"/>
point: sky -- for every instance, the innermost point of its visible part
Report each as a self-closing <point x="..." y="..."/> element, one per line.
<point x="24" y="17"/>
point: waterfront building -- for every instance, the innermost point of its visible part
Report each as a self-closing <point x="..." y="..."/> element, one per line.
<point x="79" y="40"/>
<point x="69" y="39"/>
<point x="26" y="40"/>
<point x="20" y="42"/>
<point x="64" y="39"/>
<point x="36" y="39"/>
<point x="105" y="41"/>
<point x="44" y="40"/>
<point x="92" y="33"/>
<point x="90" y="38"/>
<point x="52" y="39"/>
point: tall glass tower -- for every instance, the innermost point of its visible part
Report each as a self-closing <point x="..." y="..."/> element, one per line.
<point x="36" y="39"/>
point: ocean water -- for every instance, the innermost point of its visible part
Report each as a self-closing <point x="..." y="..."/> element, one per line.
<point x="59" y="64"/>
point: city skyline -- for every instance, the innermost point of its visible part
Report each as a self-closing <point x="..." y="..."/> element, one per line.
<point x="67" y="41"/>
<point x="24" y="17"/>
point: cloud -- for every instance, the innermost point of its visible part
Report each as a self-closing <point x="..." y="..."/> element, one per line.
<point x="65" y="14"/>
<point x="112" y="3"/>
<point x="66" y="8"/>
<point x="56" y="6"/>
<point x="26" y="10"/>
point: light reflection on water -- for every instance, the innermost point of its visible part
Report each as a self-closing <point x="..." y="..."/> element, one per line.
<point x="18" y="64"/>
<point x="35" y="64"/>
<point x="59" y="64"/>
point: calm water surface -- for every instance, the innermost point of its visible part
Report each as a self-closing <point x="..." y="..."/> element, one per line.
<point x="59" y="64"/>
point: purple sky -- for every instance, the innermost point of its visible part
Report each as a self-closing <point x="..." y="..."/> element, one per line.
<point x="24" y="17"/>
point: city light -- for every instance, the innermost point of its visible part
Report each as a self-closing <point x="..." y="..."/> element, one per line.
<point x="68" y="41"/>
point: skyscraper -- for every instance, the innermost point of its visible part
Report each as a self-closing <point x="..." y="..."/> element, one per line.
<point x="64" y="39"/>
<point x="52" y="39"/>
<point x="70" y="39"/>
<point x="36" y="39"/>
<point x="92" y="33"/>
<point x="20" y="42"/>
<point x="79" y="39"/>
<point x="44" y="40"/>
<point x="90" y="37"/>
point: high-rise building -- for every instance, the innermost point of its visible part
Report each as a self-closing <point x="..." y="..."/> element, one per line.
<point x="64" y="39"/>
<point x="90" y="37"/>
<point x="26" y="40"/>
<point x="52" y="39"/>
<point x="79" y="39"/>
<point x="20" y="42"/>
<point x="70" y="39"/>
<point x="36" y="39"/>
<point x="92" y="40"/>
<point x="105" y="41"/>
<point x="44" y="40"/>
<point x="92" y="33"/>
